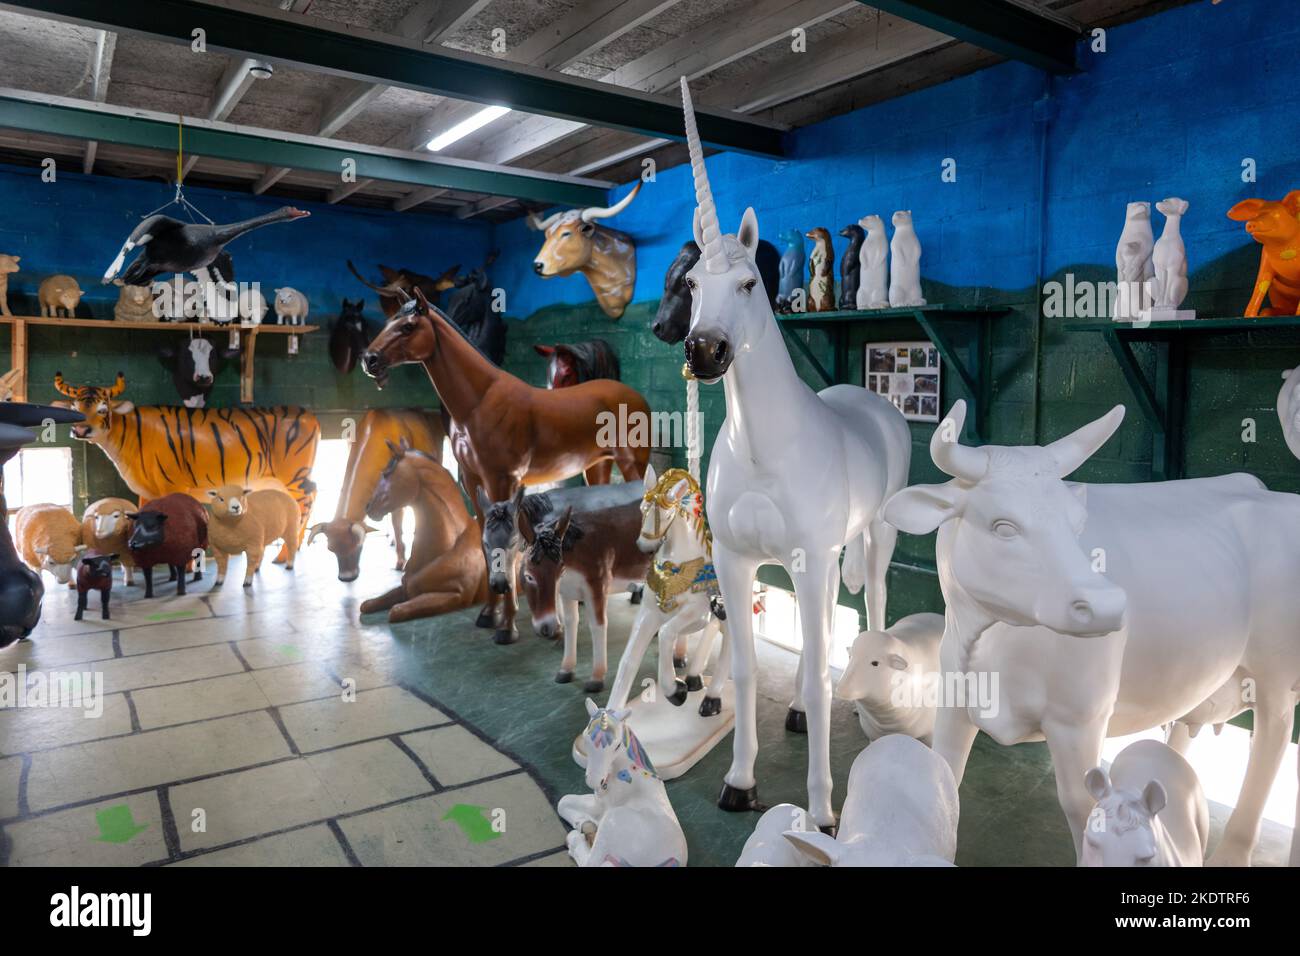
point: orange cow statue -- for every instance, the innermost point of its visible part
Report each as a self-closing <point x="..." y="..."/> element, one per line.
<point x="369" y="455"/>
<point x="575" y="242"/>
<point x="164" y="449"/>
<point x="1275" y="226"/>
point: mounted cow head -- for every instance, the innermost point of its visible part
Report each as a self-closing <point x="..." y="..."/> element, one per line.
<point x="1009" y="524"/>
<point x="97" y="404"/>
<point x="575" y="243"/>
<point x="194" y="368"/>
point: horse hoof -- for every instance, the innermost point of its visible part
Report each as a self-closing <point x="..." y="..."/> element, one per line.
<point x="710" y="706"/>
<point x="679" y="662"/>
<point x="735" y="800"/>
<point x="593" y="686"/>
<point x="694" y="682"/>
<point x="485" y="618"/>
<point x="504" y="636"/>
<point x="564" y="677"/>
<point x="796" y="721"/>
<point x="678" y="696"/>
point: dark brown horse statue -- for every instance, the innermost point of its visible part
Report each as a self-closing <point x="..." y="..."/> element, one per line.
<point x="445" y="571"/>
<point x="400" y="285"/>
<point x="506" y="433"/>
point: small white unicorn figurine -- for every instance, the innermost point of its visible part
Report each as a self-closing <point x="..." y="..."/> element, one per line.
<point x="627" y="819"/>
<point x="683" y="588"/>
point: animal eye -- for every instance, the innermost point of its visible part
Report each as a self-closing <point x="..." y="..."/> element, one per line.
<point x="407" y="327"/>
<point x="691" y="284"/>
<point x="748" y="286"/>
<point x="566" y="233"/>
<point x="528" y="577"/>
<point x="1005" y="529"/>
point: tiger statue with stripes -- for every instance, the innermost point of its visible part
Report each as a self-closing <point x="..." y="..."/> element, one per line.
<point x="161" y="449"/>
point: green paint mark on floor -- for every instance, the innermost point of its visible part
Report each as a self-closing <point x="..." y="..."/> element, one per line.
<point x="170" y="616"/>
<point x="289" y="650"/>
<point x="117" y="825"/>
<point x="472" y="821"/>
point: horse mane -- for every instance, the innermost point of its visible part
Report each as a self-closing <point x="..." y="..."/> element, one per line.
<point x="411" y="306"/>
<point x="536" y="507"/>
<point x="595" y="359"/>
<point x="659" y="495"/>
<point x="548" y="546"/>
<point x="600" y="731"/>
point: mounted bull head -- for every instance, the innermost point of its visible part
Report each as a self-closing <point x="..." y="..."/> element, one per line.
<point x="575" y="243"/>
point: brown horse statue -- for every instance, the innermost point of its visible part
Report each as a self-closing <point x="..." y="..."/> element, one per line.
<point x="445" y="571"/>
<point x="597" y="555"/>
<point x="506" y="433"/>
<point x="345" y="534"/>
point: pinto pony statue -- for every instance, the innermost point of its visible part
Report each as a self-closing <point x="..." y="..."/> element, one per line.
<point x="504" y="432"/>
<point x="162" y="449"/>
<point x="795" y="477"/>
<point x="627" y="819"/>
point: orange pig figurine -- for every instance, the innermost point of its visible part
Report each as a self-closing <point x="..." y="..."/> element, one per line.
<point x="1275" y="226"/>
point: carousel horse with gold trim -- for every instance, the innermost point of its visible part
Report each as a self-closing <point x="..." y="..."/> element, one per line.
<point x="684" y="597"/>
<point x="627" y="819"/>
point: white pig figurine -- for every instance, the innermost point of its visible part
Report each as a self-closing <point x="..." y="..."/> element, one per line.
<point x="1150" y="810"/>
<point x="891" y="675"/>
<point x="767" y="845"/>
<point x="901" y="810"/>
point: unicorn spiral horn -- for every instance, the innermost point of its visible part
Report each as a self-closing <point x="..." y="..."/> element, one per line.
<point x="711" y="251"/>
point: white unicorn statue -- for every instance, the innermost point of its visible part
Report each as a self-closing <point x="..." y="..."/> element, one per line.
<point x="627" y="819"/>
<point x="795" y="476"/>
<point x="683" y="587"/>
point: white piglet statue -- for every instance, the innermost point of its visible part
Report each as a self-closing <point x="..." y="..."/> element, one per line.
<point x="627" y="819"/>
<point x="901" y="810"/>
<point x="1150" y="810"/>
<point x="892" y="677"/>
<point x="905" y="263"/>
<point x="290" y="306"/>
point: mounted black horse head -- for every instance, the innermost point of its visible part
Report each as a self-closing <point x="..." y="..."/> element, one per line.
<point x="674" y="315"/>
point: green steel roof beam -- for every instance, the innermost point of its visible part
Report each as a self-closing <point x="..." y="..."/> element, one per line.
<point x="241" y="29"/>
<point x="998" y="26"/>
<point x="82" y="119"/>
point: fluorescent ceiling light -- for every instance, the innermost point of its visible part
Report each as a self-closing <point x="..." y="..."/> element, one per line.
<point x="465" y="127"/>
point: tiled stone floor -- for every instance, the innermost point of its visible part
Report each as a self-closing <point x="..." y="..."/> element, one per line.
<point x="226" y="708"/>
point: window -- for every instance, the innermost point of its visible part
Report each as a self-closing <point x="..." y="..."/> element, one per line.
<point x="39" y="475"/>
<point x="776" y="619"/>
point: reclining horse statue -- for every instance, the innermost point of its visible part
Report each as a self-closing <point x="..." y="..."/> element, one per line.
<point x="795" y="477"/>
<point x="506" y="433"/>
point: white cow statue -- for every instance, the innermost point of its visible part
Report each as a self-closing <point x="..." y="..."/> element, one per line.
<point x="1109" y="609"/>
<point x="893" y="677"/>
<point x="1288" y="410"/>
<point x="901" y="810"/>
<point x="795" y="477"/>
<point x="627" y="819"/>
<point x="1150" y="810"/>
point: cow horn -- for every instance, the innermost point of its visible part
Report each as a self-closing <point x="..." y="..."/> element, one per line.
<point x="1077" y="447"/>
<point x="711" y="252"/>
<point x="541" y="225"/>
<point x="63" y="387"/>
<point x="313" y="531"/>
<point x="119" y="386"/>
<point x="952" y="457"/>
<point x="604" y="212"/>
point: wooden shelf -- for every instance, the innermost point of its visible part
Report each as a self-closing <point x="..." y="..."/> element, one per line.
<point x="960" y="333"/>
<point x="247" y="347"/>
<point x="1162" y="396"/>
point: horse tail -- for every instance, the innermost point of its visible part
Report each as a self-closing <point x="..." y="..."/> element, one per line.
<point x="854" y="569"/>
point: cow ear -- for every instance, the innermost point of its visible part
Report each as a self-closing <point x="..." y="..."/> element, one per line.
<point x="1246" y="210"/>
<point x="1097" y="782"/>
<point x="1153" y="797"/>
<point x="920" y="509"/>
<point x="817" y="846"/>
